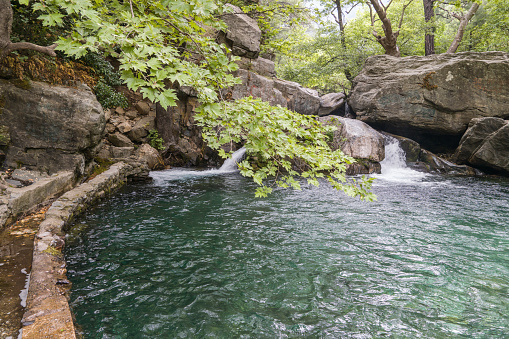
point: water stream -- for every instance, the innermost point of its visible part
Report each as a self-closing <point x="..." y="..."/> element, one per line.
<point x="195" y="255"/>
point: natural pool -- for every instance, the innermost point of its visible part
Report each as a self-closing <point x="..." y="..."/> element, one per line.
<point x="195" y="255"/>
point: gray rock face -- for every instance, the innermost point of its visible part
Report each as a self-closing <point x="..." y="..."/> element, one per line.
<point x="260" y="66"/>
<point x="243" y="33"/>
<point x="432" y="98"/>
<point x="356" y="139"/>
<point x="51" y="128"/>
<point x="359" y="141"/>
<point x="330" y="103"/>
<point x="478" y="130"/>
<point x="493" y="154"/>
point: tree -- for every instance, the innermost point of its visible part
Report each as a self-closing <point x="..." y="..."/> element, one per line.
<point x="463" y="18"/>
<point x="429" y="37"/>
<point x="6" y="46"/>
<point x="164" y="44"/>
<point x="390" y="37"/>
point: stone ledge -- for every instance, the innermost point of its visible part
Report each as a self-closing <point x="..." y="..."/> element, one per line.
<point x="48" y="314"/>
<point x="21" y="200"/>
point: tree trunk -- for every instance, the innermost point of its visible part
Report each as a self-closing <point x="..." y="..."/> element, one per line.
<point x="340" y="22"/>
<point x="6" y="46"/>
<point x="429" y="38"/>
<point x="461" y="29"/>
<point x="389" y="41"/>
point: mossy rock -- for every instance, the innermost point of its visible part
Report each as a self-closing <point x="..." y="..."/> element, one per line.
<point x="5" y="137"/>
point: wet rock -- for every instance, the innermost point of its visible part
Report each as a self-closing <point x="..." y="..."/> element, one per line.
<point x="356" y="139"/>
<point x="493" y="153"/>
<point x="479" y="129"/>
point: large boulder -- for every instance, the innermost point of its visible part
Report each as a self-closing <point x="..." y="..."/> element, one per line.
<point x="51" y="128"/>
<point x="493" y="153"/>
<point x="478" y="130"/>
<point x="432" y="99"/>
<point x="243" y="34"/>
<point x="359" y="141"/>
<point x="300" y="99"/>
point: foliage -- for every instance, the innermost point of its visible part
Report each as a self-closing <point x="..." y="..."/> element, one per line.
<point x="163" y="44"/>
<point x="155" y="140"/>
<point x="103" y="68"/>
<point x="277" y="21"/>
<point x="108" y="97"/>
<point x="288" y="145"/>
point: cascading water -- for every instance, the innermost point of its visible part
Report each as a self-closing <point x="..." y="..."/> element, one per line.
<point x="229" y="166"/>
<point x="394" y="167"/>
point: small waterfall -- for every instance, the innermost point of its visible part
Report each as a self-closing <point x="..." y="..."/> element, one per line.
<point x="230" y="164"/>
<point x="394" y="167"/>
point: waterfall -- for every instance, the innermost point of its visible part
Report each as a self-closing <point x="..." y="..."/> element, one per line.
<point x="394" y="167"/>
<point x="230" y="164"/>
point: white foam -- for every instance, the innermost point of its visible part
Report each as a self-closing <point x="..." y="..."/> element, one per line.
<point x="229" y="166"/>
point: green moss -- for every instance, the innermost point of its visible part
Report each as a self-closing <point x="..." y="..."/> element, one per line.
<point x="23" y="84"/>
<point x="52" y="251"/>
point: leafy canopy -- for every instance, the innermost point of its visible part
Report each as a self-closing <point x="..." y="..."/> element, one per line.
<point x="164" y="44"/>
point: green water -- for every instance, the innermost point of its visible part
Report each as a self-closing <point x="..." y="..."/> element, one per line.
<point x="200" y="257"/>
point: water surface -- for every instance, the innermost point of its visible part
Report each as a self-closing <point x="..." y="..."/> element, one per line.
<point x="192" y="256"/>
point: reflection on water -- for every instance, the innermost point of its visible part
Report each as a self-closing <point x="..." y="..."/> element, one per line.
<point x="201" y="257"/>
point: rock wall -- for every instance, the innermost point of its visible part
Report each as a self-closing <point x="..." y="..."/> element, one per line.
<point x="51" y="128"/>
<point x="432" y="99"/>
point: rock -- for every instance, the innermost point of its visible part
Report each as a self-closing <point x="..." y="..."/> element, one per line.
<point x="124" y="127"/>
<point x="142" y="107"/>
<point x="259" y="66"/>
<point x="110" y="128"/>
<point x="478" y="130"/>
<point x="51" y="128"/>
<point x="14" y="183"/>
<point x="243" y="35"/>
<point x="27" y="176"/>
<point x="121" y="152"/>
<point x="107" y="115"/>
<point x="301" y="100"/>
<point x="429" y="162"/>
<point x="432" y="99"/>
<point x="120" y="140"/>
<point x="331" y="103"/>
<point x="104" y="152"/>
<point x="119" y="110"/>
<point x="149" y="155"/>
<point x="141" y="129"/>
<point x="5" y="138"/>
<point x="493" y="153"/>
<point x="256" y="86"/>
<point x="131" y="114"/>
<point x="356" y="139"/>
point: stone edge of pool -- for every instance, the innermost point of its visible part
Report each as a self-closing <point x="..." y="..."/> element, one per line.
<point x="47" y="314"/>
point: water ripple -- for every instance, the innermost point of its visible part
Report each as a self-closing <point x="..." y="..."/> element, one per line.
<point x="202" y="258"/>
